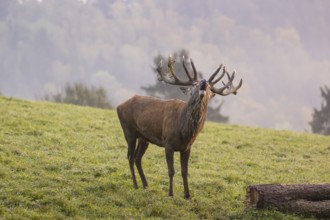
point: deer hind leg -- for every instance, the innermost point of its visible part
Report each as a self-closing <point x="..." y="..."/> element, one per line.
<point x="130" y="156"/>
<point x="141" y="149"/>
<point x="170" y="165"/>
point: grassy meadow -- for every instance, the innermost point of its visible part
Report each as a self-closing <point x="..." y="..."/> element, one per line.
<point x="69" y="162"/>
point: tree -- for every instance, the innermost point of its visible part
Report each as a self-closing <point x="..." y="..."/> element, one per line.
<point x="166" y="91"/>
<point x="321" y="118"/>
<point x="80" y="94"/>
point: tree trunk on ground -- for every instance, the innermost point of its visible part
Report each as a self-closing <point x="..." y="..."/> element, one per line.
<point x="305" y="199"/>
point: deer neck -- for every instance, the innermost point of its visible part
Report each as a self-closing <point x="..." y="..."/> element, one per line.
<point x="193" y="116"/>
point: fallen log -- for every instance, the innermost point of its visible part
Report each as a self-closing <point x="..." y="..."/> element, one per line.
<point x="305" y="199"/>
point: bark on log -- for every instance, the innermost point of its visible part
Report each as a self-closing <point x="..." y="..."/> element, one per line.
<point x="305" y="199"/>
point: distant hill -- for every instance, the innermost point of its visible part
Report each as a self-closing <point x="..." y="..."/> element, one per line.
<point x="63" y="161"/>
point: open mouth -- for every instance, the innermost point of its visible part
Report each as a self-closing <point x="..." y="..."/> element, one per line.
<point x="202" y="88"/>
<point x="201" y="93"/>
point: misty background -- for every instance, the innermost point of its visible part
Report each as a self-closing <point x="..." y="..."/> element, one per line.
<point x="281" y="49"/>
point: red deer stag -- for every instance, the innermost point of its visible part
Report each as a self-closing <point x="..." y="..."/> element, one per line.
<point x="172" y="124"/>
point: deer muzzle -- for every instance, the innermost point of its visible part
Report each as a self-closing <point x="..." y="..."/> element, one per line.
<point x="203" y="85"/>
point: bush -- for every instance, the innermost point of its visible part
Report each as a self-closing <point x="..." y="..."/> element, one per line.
<point x="80" y="94"/>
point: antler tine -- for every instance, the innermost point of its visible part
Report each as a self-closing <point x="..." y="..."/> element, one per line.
<point x="175" y="80"/>
<point x="230" y="79"/>
<point x="228" y="88"/>
<point x="194" y="69"/>
<point x="185" y="68"/>
<point x="220" y="77"/>
<point x="170" y="66"/>
<point x="231" y="88"/>
<point x="214" y="74"/>
<point x="237" y="87"/>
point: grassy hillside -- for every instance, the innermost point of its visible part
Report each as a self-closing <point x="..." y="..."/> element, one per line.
<point x="63" y="161"/>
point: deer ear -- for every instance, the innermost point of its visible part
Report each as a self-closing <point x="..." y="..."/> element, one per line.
<point x="185" y="90"/>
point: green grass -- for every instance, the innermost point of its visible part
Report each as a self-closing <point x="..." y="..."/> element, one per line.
<point x="69" y="162"/>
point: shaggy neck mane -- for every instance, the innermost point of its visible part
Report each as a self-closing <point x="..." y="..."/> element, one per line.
<point x="193" y="116"/>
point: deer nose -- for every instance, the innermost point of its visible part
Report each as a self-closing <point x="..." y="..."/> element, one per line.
<point x="203" y="84"/>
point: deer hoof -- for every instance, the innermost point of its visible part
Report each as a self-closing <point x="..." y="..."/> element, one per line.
<point x="187" y="197"/>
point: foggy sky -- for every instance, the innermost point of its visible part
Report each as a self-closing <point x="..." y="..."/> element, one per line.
<point x="281" y="49"/>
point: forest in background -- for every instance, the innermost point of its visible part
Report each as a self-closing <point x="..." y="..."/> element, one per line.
<point x="280" y="50"/>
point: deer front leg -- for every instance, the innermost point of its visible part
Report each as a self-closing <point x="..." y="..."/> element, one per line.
<point x="184" y="158"/>
<point x="170" y="165"/>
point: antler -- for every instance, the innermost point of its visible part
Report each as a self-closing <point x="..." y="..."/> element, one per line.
<point x="228" y="88"/>
<point x="172" y="78"/>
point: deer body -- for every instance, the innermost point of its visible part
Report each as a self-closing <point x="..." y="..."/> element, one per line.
<point x="172" y="124"/>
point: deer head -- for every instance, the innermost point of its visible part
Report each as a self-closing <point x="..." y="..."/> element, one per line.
<point x="194" y="114"/>
<point x="204" y="88"/>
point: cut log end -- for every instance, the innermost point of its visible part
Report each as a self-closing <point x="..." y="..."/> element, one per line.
<point x="305" y="199"/>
